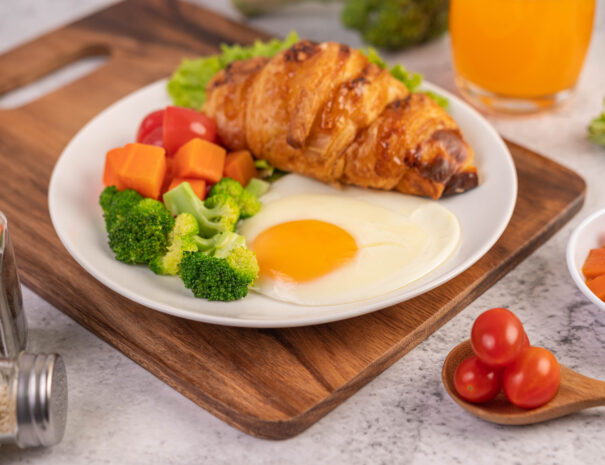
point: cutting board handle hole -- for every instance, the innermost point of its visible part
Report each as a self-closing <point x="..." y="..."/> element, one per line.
<point x="71" y="70"/>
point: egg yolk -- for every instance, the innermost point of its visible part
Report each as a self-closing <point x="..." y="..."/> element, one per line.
<point x="302" y="250"/>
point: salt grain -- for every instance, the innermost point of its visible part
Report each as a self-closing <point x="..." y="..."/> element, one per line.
<point x="7" y="412"/>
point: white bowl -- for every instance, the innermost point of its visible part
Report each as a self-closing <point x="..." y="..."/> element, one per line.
<point x="588" y="235"/>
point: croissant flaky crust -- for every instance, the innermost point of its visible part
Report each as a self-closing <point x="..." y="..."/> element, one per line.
<point x="323" y="110"/>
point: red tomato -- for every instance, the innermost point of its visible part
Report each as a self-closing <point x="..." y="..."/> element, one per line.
<point x="155" y="137"/>
<point x="497" y="337"/>
<point x="476" y="382"/>
<point x="525" y="342"/>
<point x="532" y="379"/>
<point x="183" y="124"/>
<point x="152" y="121"/>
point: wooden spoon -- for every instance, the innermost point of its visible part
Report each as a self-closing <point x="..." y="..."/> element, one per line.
<point x="576" y="392"/>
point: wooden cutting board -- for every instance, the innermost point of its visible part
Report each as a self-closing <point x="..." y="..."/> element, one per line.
<point x="269" y="383"/>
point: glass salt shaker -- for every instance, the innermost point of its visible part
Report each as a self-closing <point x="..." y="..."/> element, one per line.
<point x="33" y="387"/>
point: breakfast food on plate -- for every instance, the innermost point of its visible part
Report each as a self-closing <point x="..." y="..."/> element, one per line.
<point x="183" y="198"/>
<point x="318" y="245"/>
<point x="505" y="360"/>
<point x="325" y="111"/>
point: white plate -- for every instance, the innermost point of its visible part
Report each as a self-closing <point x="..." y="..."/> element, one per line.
<point x="590" y="234"/>
<point x="75" y="186"/>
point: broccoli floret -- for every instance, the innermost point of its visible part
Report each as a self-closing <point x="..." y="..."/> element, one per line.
<point x="231" y="247"/>
<point x="141" y="232"/>
<point x="180" y="239"/>
<point x="248" y="204"/>
<point x="396" y="24"/>
<point x="116" y="204"/>
<point x="224" y="209"/>
<point x="222" y="269"/>
<point x="214" y="217"/>
<point x="212" y="278"/>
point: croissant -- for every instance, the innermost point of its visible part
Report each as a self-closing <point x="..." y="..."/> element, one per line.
<point x="323" y="110"/>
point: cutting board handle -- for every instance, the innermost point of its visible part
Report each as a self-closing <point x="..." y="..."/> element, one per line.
<point x="35" y="59"/>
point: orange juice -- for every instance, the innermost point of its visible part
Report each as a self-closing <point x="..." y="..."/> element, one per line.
<point x="520" y="48"/>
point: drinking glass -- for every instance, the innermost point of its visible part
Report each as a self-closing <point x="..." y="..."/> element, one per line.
<point x="13" y="326"/>
<point x="519" y="55"/>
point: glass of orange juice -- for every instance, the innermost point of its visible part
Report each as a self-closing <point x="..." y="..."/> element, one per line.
<point x="519" y="55"/>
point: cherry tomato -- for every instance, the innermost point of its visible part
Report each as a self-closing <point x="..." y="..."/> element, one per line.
<point x="532" y="379"/>
<point x="152" y="121"/>
<point x="476" y="382"/>
<point x="154" y="137"/>
<point x="183" y="124"/>
<point x="525" y="342"/>
<point x="497" y="337"/>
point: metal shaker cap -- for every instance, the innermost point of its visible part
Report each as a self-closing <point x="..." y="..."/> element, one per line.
<point x="41" y="399"/>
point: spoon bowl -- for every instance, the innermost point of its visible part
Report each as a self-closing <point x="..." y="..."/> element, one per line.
<point x="576" y="392"/>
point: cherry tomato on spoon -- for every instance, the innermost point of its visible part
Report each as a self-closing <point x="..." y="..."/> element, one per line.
<point x="476" y="382"/>
<point x="533" y="378"/>
<point x="497" y="337"/>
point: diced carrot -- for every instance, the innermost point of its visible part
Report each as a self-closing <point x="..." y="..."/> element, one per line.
<point x="198" y="185"/>
<point x="144" y="169"/>
<point x="113" y="161"/>
<point x="200" y="159"/>
<point x="240" y="166"/>
<point x="595" y="263"/>
<point x="597" y="285"/>
<point x="168" y="177"/>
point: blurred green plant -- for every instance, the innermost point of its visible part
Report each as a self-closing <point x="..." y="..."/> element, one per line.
<point x="596" y="129"/>
<point x="389" y="24"/>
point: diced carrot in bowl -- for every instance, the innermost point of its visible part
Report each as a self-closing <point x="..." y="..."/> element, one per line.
<point x="200" y="159"/>
<point x="595" y="263"/>
<point x="144" y="169"/>
<point x="198" y="185"/>
<point x="597" y="285"/>
<point x="240" y="166"/>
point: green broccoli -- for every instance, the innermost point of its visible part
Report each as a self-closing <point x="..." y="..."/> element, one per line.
<point x="596" y="130"/>
<point x="218" y="215"/>
<point x="248" y="204"/>
<point x="180" y="239"/>
<point x="139" y="233"/>
<point x="116" y="204"/>
<point x="396" y="24"/>
<point x="221" y="270"/>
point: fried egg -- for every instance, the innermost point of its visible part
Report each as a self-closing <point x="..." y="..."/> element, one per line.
<point x="322" y="245"/>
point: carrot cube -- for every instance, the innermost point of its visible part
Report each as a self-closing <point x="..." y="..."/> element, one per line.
<point x="198" y="185"/>
<point x="144" y="169"/>
<point x="200" y="159"/>
<point x="113" y="161"/>
<point x="597" y="285"/>
<point x="240" y="166"/>
<point x="595" y="263"/>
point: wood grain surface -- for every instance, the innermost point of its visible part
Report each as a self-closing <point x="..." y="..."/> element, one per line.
<point x="269" y="383"/>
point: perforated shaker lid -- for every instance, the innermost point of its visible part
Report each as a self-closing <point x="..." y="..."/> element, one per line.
<point x="41" y="399"/>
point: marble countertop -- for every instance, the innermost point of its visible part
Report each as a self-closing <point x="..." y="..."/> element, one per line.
<point x="119" y="413"/>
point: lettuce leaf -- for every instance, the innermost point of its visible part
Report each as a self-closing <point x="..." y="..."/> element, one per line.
<point x="411" y="80"/>
<point x="187" y="86"/>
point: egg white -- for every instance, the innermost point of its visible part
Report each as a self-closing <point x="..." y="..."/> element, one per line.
<point x="400" y="238"/>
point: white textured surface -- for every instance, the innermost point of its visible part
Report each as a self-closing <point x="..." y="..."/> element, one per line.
<point x="121" y="414"/>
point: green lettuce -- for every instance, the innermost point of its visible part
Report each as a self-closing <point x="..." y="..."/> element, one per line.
<point x="411" y="80"/>
<point x="187" y="86"/>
